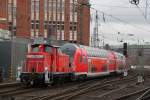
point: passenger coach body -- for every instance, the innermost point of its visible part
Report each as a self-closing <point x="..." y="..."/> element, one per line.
<point x="91" y="61"/>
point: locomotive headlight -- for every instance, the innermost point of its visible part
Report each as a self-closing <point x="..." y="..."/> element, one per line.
<point x="19" y="68"/>
<point x="46" y="68"/>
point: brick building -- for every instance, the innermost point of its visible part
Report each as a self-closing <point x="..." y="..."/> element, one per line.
<point x="60" y="19"/>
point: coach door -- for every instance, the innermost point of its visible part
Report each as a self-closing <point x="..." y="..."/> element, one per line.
<point x="89" y="65"/>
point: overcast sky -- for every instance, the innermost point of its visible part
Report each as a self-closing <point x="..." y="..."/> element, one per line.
<point x="121" y="16"/>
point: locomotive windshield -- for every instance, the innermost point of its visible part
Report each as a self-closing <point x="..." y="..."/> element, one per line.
<point x="41" y="48"/>
<point x="69" y="49"/>
<point x="35" y="49"/>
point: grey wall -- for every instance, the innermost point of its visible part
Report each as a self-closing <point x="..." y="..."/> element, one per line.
<point x="12" y="53"/>
<point x="5" y="57"/>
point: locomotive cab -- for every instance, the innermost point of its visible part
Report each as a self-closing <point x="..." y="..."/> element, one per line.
<point x="38" y="64"/>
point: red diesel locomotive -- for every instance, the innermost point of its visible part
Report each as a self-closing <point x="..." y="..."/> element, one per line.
<point x="47" y="63"/>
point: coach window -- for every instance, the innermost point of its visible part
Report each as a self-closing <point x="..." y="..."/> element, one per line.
<point x="103" y="54"/>
<point x="84" y="59"/>
<point x="80" y="59"/>
<point x="94" y="53"/>
<point x="90" y="53"/>
<point x="98" y="54"/>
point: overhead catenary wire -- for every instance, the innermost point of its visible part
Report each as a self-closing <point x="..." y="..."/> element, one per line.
<point x="143" y="14"/>
<point x="146" y="4"/>
<point x="114" y="17"/>
<point x="127" y="7"/>
<point x="104" y="15"/>
<point x="122" y="21"/>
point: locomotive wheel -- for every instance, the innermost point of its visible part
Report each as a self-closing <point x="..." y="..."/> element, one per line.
<point x="73" y="78"/>
<point x="27" y="84"/>
<point x="84" y="77"/>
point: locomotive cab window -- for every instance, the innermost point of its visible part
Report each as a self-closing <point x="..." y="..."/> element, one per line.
<point x="48" y="49"/>
<point x="35" y="49"/>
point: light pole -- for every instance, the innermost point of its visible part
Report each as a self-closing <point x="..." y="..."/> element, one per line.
<point x="126" y="50"/>
<point x="140" y="66"/>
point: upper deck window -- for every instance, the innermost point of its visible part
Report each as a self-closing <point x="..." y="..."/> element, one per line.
<point x="70" y="50"/>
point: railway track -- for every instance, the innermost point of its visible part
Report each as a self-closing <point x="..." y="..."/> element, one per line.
<point x="67" y="90"/>
<point x="132" y="92"/>
<point x="13" y="84"/>
<point x="68" y="94"/>
<point x="55" y="88"/>
<point x="10" y="94"/>
<point x="137" y="95"/>
<point x="145" y="95"/>
<point x="17" y="91"/>
<point x="12" y="89"/>
<point x="110" y="85"/>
